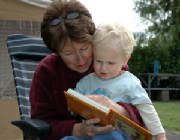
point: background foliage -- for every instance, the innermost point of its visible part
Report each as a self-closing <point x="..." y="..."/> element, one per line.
<point x="161" y="40"/>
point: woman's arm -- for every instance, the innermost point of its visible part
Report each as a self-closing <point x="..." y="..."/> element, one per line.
<point x="48" y="105"/>
<point x="103" y="100"/>
<point x="126" y="109"/>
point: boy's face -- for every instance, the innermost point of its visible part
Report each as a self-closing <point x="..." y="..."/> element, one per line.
<point x="108" y="62"/>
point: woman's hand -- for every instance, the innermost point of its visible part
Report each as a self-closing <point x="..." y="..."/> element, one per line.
<point x="103" y="100"/>
<point x="88" y="129"/>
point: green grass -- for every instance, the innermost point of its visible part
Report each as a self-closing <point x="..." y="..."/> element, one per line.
<point x="169" y="113"/>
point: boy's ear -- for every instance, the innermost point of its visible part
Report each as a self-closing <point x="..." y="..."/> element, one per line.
<point x="126" y="59"/>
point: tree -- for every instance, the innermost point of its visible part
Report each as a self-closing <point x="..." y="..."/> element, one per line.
<point x="160" y="14"/>
<point x="163" y="31"/>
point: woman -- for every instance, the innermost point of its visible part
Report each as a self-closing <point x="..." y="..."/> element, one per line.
<point x="67" y="30"/>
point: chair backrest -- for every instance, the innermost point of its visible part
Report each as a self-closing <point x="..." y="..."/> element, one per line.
<point x="25" y="52"/>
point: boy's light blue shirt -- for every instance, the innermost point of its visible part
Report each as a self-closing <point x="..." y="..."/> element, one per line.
<point x="124" y="88"/>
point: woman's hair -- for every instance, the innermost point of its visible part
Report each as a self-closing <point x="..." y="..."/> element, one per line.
<point x="115" y="34"/>
<point x="55" y="33"/>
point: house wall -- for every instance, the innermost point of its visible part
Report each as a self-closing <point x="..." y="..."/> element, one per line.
<point x="16" y="10"/>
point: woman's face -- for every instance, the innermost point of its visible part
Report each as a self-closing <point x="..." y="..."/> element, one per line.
<point x="77" y="56"/>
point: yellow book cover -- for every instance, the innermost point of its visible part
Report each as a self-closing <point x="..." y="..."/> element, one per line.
<point x="88" y="109"/>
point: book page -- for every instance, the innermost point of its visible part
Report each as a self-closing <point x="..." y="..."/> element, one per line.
<point x="88" y="100"/>
<point x="129" y="128"/>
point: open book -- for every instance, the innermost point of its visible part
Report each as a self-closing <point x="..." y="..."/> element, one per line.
<point x="89" y="109"/>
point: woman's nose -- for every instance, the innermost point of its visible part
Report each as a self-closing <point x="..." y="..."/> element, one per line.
<point x="80" y="59"/>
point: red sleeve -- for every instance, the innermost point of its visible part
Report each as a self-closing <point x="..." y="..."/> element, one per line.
<point x="44" y="106"/>
<point x="125" y="67"/>
<point x="133" y="112"/>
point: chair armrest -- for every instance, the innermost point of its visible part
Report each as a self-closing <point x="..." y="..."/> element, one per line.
<point x="33" y="128"/>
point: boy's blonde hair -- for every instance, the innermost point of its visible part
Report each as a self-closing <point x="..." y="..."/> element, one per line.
<point x="116" y="33"/>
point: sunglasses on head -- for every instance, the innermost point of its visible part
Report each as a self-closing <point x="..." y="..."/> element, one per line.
<point x="70" y="16"/>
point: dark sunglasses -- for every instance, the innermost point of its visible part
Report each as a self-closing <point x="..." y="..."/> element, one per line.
<point x="70" y="16"/>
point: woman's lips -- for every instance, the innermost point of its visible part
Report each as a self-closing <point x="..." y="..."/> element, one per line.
<point x="82" y="66"/>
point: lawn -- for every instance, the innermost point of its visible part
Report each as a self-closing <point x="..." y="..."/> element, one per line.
<point x="169" y="113"/>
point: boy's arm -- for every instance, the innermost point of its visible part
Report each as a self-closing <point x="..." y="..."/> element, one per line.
<point x="151" y="120"/>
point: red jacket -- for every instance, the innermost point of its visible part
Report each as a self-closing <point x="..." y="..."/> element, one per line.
<point x="47" y="98"/>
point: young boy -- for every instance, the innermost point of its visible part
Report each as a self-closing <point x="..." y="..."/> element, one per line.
<point x="113" y="45"/>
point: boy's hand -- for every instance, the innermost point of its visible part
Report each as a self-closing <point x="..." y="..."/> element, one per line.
<point x="161" y="136"/>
